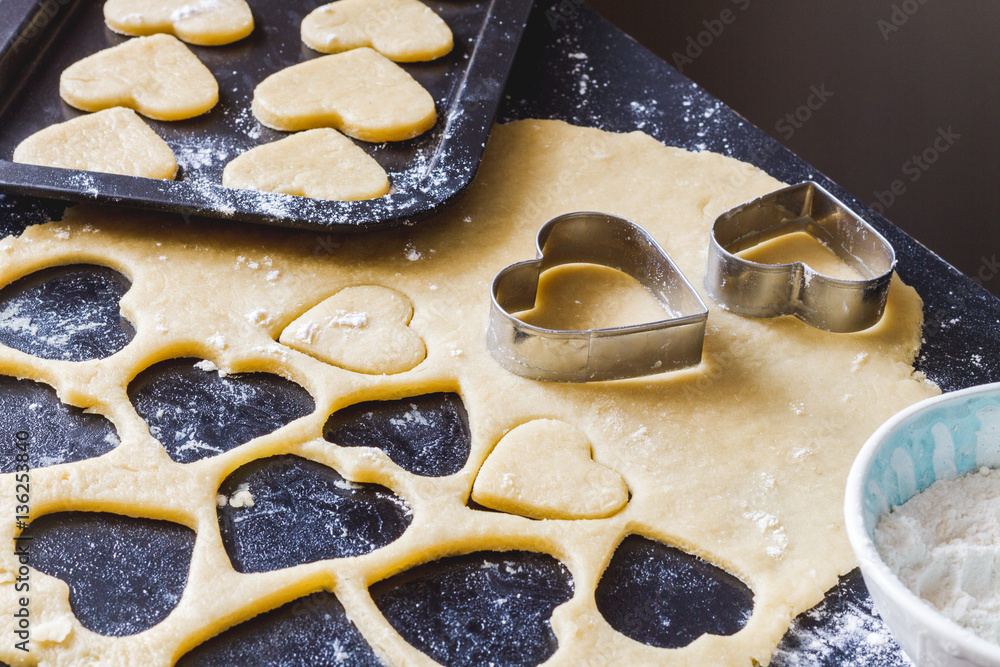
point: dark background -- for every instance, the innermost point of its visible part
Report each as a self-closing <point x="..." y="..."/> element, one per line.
<point x="886" y="80"/>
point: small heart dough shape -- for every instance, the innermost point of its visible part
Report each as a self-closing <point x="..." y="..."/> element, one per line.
<point x="401" y="30"/>
<point x="361" y="93"/>
<point x="544" y="470"/>
<point x="114" y="141"/>
<point x="322" y="164"/>
<point x="203" y="22"/>
<point x="363" y="329"/>
<point x="157" y="76"/>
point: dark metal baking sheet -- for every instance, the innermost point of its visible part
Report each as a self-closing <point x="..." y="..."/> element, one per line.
<point x="572" y="65"/>
<point x="40" y="38"/>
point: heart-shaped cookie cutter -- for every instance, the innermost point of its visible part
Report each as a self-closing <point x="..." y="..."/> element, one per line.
<point x="596" y="354"/>
<point x="770" y="290"/>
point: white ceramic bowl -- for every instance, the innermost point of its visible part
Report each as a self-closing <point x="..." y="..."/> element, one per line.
<point x="940" y="438"/>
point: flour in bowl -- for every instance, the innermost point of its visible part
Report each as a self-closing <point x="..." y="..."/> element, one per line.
<point x="944" y="545"/>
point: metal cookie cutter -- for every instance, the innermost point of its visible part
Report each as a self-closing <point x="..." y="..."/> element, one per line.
<point x="763" y="290"/>
<point x="596" y="354"/>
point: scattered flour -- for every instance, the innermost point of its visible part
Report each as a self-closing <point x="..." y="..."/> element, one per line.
<point x="343" y="318"/>
<point x="258" y="316"/>
<point x="187" y="11"/>
<point x="944" y="545"/>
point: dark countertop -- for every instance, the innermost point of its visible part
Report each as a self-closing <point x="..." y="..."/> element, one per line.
<point x="893" y="74"/>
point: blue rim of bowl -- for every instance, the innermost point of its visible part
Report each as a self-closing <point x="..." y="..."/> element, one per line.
<point x="864" y="547"/>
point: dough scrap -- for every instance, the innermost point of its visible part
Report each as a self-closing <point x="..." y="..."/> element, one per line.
<point x="741" y="460"/>
<point x="363" y="329"/>
<point x="543" y="470"/>
<point x="114" y="141"/>
<point x="203" y="22"/>
<point x="360" y="92"/>
<point x="157" y="76"/>
<point x="320" y="163"/>
<point x="401" y="30"/>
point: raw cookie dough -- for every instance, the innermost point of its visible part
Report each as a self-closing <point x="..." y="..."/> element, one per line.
<point x="204" y="22"/>
<point x="321" y="163"/>
<point x="401" y="30"/>
<point x="741" y="460"/>
<point x="157" y="76"/>
<point x="363" y="329"/>
<point x="115" y="141"/>
<point x="544" y="470"/>
<point x="361" y="93"/>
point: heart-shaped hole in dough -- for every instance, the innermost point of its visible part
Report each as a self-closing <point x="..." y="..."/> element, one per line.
<point x="313" y="630"/>
<point x="662" y="596"/>
<point x="478" y="609"/>
<point x="59" y="433"/>
<point x="544" y="469"/>
<point x="285" y="510"/>
<point x="66" y="312"/>
<point x="124" y="574"/>
<point x="427" y="435"/>
<point x="196" y="411"/>
<point x="401" y="30"/>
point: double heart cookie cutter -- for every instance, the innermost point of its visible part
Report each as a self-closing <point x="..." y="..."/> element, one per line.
<point x="742" y="286"/>
<point x="596" y="354"/>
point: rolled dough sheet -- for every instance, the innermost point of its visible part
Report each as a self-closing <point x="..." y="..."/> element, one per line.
<point x="115" y="141"/>
<point x="741" y="460"/>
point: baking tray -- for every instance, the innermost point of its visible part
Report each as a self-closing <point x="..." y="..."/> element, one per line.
<point x="40" y="38"/>
<point x="573" y="65"/>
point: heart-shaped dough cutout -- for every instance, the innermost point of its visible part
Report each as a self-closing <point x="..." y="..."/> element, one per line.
<point x="361" y="93"/>
<point x="157" y="76"/>
<point x="204" y="22"/>
<point x="321" y="163"/>
<point x="363" y="329"/>
<point x="401" y="30"/>
<point x="114" y="141"/>
<point x="544" y="470"/>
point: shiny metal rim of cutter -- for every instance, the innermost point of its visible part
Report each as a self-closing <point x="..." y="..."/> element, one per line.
<point x="596" y="354"/>
<point x="770" y="290"/>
